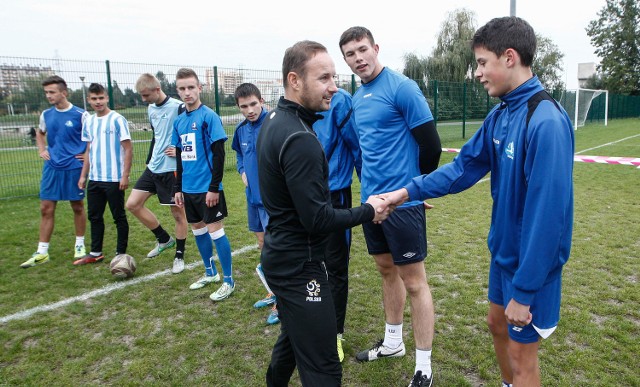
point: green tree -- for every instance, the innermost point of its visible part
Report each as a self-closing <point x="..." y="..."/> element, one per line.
<point x="616" y="36"/>
<point x="547" y="64"/>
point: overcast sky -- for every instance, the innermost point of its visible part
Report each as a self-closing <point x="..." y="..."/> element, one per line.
<point x="254" y="34"/>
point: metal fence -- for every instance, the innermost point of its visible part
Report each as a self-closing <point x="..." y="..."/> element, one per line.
<point x="457" y="107"/>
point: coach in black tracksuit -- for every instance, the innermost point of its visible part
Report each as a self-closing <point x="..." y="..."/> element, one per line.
<point x="293" y="175"/>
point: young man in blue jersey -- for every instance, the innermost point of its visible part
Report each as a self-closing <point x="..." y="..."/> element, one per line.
<point x="107" y="164"/>
<point x="250" y="102"/>
<point x="337" y="134"/>
<point x="159" y="176"/>
<point x="60" y="145"/>
<point x="198" y="138"/>
<point x="399" y="141"/>
<point x="527" y="143"/>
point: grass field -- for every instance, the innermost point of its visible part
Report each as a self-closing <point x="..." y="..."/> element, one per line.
<point x="155" y="331"/>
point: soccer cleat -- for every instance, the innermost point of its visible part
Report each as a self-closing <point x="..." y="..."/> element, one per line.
<point x="178" y="266"/>
<point x="160" y="247"/>
<point x="420" y="380"/>
<point x="273" y="317"/>
<point x="340" y="351"/>
<point x="79" y="252"/>
<point x="270" y="299"/>
<point x="379" y="351"/>
<point x="36" y="259"/>
<point x="223" y="292"/>
<point x="88" y="258"/>
<point x="204" y="281"/>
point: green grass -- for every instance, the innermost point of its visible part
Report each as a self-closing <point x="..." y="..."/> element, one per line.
<point x="160" y="333"/>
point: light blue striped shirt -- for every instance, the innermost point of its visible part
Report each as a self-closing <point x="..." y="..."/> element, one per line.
<point x="106" y="154"/>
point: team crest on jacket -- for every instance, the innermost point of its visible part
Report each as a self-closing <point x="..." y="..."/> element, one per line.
<point x="510" y="150"/>
<point x="68" y="124"/>
<point x="194" y="126"/>
<point x="313" y="288"/>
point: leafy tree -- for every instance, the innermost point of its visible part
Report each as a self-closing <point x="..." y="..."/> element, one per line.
<point x="616" y="36"/>
<point x="547" y="64"/>
<point x="131" y="98"/>
<point x="169" y="88"/>
<point x="118" y="95"/>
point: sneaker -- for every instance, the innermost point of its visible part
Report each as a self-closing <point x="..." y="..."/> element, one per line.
<point x="420" y="380"/>
<point x="273" y="317"/>
<point x="379" y="351"/>
<point x="225" y="291"/>
<point x="160" y="247"/>
<point x="79" y="252"/>
<point x="204" y="281"/>
<point x="270" y="299"/>
<point x="340" y="351"/>
<point x="178" y="266"/>
<point x="88" y="258"/>
<point x="35" y="259"/>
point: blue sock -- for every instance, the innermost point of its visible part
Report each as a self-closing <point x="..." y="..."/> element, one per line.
<point x="224" y="254"/>
<point x="205" y="247"/>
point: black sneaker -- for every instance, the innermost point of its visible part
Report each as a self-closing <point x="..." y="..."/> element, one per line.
<point x="379" y="351"/>
<point x="420" y="380"/>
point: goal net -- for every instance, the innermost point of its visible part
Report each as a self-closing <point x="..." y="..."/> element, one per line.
<point x="583" y="104"/>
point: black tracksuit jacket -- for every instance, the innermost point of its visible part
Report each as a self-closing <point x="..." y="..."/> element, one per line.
<point x="293" y="175"/>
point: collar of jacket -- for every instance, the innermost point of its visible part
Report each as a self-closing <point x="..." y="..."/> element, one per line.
<point x="306" y="115"/>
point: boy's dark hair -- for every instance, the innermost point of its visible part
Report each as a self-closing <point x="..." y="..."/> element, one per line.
<point x="55" y="80"/>
<point x="184" y="73"/>
<point x="297" y="56"/>
<point x="246" y="90"/>
<point x="96" y="88"/>
<point x="355" y="33"/>
<point x="502" y="33"/>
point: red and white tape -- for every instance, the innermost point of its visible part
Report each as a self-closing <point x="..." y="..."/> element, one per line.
<point x="635" y="161"/>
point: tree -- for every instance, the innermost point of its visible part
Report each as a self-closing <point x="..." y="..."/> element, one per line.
<point x="616" y="36"/>
<point x="547" y="64"/>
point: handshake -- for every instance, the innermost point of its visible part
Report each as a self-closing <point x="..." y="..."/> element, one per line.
<point x="384" y="204"/>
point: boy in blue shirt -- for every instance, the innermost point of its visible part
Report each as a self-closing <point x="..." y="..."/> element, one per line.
<point x="61" y="147"/>
<point x="337" y="134"/>
<point x="199" y="137"/>
<point x="527" y="143"/>
<point x="250" y="102"/>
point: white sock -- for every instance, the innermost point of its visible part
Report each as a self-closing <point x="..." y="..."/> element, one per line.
<point x="43" y="247"/>
<point x="423" y="361"/>
<point x="505" y="384"/>
<point x="392" y="336"/>
<point x="96" y="254"/>
<point x="79" y="240"/>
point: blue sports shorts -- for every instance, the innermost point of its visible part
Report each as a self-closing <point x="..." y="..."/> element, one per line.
<point x="258" y="218"/>
<point x="57" y="185"/>
<point x="545" y="309"/>
<point x="403" y="234"/>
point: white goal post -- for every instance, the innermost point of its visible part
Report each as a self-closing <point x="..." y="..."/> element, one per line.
<point x="578" y="108"/>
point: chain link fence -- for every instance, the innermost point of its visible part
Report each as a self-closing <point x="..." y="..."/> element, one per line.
<point x="458" y="108"/>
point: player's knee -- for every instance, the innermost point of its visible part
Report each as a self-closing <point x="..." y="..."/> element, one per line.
<point x="77" y="207"/>
<point x="497" y="324"/>
<point x="47" y="210"/>
<point x="133" y="206"/>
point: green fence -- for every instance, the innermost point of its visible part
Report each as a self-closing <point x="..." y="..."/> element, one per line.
<point x="458" y="107"/>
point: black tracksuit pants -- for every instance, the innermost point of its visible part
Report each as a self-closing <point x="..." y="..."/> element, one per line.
<point x="307" y="331"/>
<point x="98" y="195"/>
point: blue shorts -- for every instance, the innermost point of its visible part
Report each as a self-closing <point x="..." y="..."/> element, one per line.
<point x="57" y="185"/>
<point x="403" y="234"/>
<point x="258" y="218"/>
<point x="545" y="308"/>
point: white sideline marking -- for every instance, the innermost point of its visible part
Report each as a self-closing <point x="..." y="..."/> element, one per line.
<point x="104" y="290"/>
<point x="609" y="143"/>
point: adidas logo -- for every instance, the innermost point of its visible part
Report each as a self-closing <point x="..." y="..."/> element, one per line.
<point x="219" y="213"/>
<point x="410" y="254"/>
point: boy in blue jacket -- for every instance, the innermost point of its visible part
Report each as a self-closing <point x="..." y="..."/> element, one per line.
<point x="250" y="102"/>
<point x="527" y="143"/>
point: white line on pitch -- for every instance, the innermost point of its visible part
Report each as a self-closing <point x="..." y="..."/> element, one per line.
<point x="104" y="290"/>
<point x="609" y="143"/>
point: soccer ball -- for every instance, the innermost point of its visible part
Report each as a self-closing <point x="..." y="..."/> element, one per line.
<point x="123" y="266"/>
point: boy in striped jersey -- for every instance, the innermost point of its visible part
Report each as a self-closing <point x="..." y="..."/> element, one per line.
<point x="107" y="162"/>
